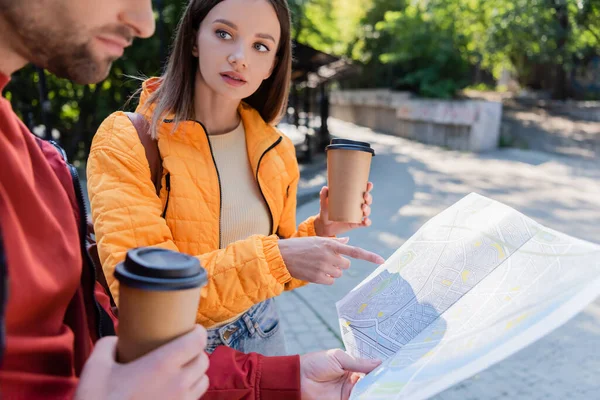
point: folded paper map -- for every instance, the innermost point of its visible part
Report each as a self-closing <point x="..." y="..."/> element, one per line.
<point x="475" y="284"/>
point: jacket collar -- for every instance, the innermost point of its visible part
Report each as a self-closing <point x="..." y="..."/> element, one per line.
<point x="260" y="136"/>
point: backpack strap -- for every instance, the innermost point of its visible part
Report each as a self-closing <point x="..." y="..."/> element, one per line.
<point x="150" y="147"/>
<point x="91" y="269"/>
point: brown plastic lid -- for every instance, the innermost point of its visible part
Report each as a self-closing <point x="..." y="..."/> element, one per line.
<point x="347" y="144"/>
<point x="152" y="268"/>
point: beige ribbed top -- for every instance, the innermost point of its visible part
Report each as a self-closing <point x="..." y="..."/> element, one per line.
<point x="244" y="211"/>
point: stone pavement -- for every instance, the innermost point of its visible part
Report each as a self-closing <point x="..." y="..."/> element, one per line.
<point x="414" y="182"/>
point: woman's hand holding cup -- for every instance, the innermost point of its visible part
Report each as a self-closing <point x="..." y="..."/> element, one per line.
<point x="325" y="227"/>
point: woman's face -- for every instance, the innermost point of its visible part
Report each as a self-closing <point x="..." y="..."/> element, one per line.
<point x="236" y="46"/>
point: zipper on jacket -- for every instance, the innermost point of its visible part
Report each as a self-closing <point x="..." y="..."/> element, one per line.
<point x="168" y="188"/>
<point x="260" y="187"/>
<point x="218" y="179"/>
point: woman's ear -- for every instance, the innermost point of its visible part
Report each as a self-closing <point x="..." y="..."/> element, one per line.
<point x="275" y="61"/>
<point x="195" y="52"/>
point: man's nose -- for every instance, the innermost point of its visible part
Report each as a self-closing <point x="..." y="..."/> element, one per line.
<point x="139" y="17"/>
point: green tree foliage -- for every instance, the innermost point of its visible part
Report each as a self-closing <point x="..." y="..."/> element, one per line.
<point x="439" y="68"/>
<point x="403" y="45"/>
<point x="433" y="46"/>
<point x="540" y="40"/>
<point x="332" y="26"/>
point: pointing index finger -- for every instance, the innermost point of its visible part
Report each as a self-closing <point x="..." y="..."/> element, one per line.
<point x="358" y="253"/>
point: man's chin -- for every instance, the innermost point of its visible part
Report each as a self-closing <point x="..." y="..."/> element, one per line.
<point x="92" y="73"/>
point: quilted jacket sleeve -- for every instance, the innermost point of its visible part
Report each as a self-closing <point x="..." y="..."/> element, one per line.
<point x="127" y="214"/>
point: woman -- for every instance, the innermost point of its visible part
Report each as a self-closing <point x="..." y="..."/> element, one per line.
<point x="228" y="192"/>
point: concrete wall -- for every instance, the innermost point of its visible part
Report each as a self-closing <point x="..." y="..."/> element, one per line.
<point x="469" y="125"/>
<point x="578" y="110"/>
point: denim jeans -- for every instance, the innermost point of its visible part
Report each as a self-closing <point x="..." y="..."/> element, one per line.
<point x="257" y="331"/>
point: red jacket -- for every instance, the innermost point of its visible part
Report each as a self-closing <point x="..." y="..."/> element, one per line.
<point x="51" y="308"/>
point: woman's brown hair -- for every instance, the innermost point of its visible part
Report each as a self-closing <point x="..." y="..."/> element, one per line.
<point x="175" y="95"/>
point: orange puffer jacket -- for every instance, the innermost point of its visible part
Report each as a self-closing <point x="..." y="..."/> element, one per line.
<point x="127" y="212"/>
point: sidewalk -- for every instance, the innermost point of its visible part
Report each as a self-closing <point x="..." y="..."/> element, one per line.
<point x="414" y="182"/>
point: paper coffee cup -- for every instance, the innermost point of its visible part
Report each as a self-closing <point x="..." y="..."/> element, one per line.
<point x="348" y="167"/>
<point x="159" y="294"/>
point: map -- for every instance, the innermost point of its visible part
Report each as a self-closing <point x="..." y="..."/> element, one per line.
<point x="475" y="284"/>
